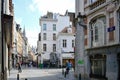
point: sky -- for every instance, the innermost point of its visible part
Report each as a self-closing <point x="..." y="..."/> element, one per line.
<point x="28" y="12"/>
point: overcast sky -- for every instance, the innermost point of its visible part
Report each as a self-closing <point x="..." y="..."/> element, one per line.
<point x="28" y="12"/>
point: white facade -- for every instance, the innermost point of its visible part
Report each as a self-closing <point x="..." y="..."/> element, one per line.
<point x="60" y="21"/>
<point x="68" y="51"/>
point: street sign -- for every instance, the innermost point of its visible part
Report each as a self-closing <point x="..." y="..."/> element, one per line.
<point x="80" y="61"/>
<point x="110" y="29"/>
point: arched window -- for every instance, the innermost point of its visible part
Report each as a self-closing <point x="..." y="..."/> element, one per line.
<point x="97" y="31"/>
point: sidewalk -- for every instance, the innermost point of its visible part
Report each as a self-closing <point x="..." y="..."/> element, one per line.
<point x="41" y="74"/>
<point x="70" y="76"/>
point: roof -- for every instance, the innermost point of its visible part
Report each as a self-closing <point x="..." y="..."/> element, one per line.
<point x="66" y="31"/>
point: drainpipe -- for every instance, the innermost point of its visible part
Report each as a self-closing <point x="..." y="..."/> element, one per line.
<point x="2" y="34"/>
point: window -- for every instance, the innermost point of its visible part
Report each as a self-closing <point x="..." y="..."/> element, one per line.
<point x="64" y="43"/>
<point x="54" y="27"/>
<point x="44" y="36"/>
<point x="96" y="33"/>
<point x="44" y="27"/>
<point x="91" y="35"/>
<point x="54" y="47"/>
<point x="39" y="37"/>
<point x="54" y="36"/>
<point x="44" y="47"/>
<point x="73" y="43"/>
<point x="98" y="66"/>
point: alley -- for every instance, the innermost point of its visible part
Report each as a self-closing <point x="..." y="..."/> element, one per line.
<point x="40" y="74"/>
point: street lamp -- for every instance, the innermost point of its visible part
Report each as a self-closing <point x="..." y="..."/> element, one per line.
<point x="80" y="20"/>
<point x="80" y="66"/>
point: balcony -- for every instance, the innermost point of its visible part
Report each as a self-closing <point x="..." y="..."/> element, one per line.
<point x="96" y="4"/>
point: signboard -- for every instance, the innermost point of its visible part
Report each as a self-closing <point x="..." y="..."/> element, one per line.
<point x="110" y="29"/>
<point x="80" y="61"/>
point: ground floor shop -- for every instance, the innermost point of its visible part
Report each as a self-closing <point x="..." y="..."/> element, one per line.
<point x="103" y="63"/>
<point x="70" y="60"/>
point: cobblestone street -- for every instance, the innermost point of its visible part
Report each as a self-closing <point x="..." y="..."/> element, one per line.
<point x="40" y="74"/>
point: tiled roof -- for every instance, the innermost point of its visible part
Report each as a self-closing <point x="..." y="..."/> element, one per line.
<point x="65" y="30"/>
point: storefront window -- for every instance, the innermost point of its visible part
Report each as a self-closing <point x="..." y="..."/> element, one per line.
<point x="98" y="66"/>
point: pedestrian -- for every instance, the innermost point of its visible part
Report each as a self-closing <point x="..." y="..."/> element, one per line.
<point x="68" y="67"/>
<point x="19" y="67"/>
<point x="30" y="64"/>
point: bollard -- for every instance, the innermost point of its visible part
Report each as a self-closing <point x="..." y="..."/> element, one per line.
<point x="65" y="74"/>
<point x="62" y="71"/>
<point x="79" y="76"/>
<point x="18" y="77"/>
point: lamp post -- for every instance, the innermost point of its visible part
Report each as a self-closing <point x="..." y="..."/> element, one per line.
<point x="79" y="46"/>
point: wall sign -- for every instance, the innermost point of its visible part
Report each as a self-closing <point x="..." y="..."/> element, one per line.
<point x="110" y="29"/>
<point x="80" y="61"/>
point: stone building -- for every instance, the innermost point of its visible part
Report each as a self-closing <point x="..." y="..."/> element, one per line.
<point x="19" y="43"/>
<point x="6" y="28"/>
<point x="102" y="38"/>
<point x="66" y="44"/>
<point x="51" y="24"/>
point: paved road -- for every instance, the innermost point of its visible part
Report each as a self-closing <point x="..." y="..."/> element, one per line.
<point x="40" y="74"/>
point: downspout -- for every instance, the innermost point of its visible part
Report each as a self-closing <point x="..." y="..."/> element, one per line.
<point x="2" y="35"/>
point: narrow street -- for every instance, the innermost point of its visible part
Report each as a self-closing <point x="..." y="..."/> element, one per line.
<point x="40" y="74"/>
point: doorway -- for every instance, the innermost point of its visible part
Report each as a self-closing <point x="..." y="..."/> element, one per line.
<point x="118" y="58"/>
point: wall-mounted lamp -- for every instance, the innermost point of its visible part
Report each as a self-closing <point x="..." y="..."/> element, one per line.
<point x="80" y="20"/>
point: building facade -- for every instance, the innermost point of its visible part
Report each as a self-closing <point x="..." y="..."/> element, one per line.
<point x="51" y="24"/>
<point x="6" y="37"/>
<point x="102" y="40"/>
<point x="65" y="45"/>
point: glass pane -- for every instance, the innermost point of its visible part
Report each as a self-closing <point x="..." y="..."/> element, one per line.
<point x="54" y="27"/>
<point x="44" y="26"/>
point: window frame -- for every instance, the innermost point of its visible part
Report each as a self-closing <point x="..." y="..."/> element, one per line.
<point x="96" y="33"/>
<point x="44" y="27"/>
<point x="64" y="43"/>
<point x="44" y="36"/>
<point x="54" y="36"/>
<point x="98" y="66"/>
<point x="54" y="47"/>
<point x="73" y="43"/>
<point x="44" y="47"/>
<point x="97" y="28"/>
<point x="54" y="27"/>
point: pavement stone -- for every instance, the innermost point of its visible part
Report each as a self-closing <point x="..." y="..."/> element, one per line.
<point x="40" y="74"/>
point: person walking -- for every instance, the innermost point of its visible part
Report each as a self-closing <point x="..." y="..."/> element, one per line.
<point x="68" y="67"/>
<point x="19" y="67"/>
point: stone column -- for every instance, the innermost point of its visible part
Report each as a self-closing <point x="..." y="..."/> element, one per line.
<point x="79" y="51"/>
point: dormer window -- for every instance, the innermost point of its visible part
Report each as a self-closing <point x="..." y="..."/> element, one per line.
<point x="69" y="30"/>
